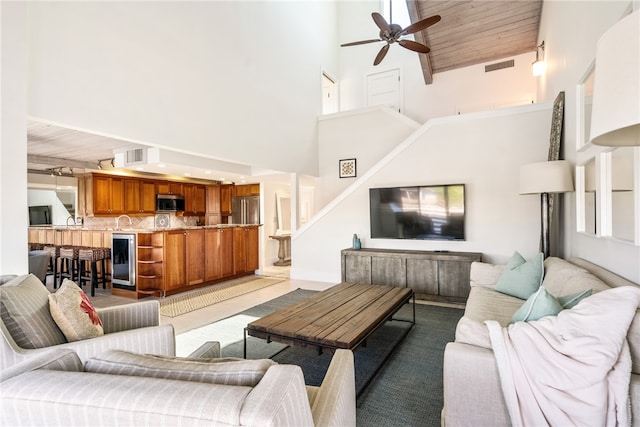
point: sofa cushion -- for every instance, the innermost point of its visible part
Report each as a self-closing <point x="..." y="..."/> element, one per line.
<point x="24" y="309"/>
<point x="228" y="371"/>
<point x="484" y="274"/>
<point x="563" y="278"/>
<point x="521" y="278"/>
<point x="487" y="304"/>
<point x="540" y="304"/>
<point x="74" y="314"/>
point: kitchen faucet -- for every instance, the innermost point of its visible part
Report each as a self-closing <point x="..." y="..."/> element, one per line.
<point x="118" y="221"/>
<point x="70" y="217"/>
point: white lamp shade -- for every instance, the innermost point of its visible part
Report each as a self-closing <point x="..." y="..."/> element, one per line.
<point x="546" y="177"/>
<point x="615" y="119"/>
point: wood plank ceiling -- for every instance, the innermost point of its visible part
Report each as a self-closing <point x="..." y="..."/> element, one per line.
<point x="474" y="31"/>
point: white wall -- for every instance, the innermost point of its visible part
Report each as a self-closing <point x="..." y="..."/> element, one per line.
<point x="482" y="150"/>
<point x="366" y="135"/>
<point x="238" y="81"/>
<point x="467" y="89"/>
<point x="14" y="217"/>
<point x="571" y="30"/>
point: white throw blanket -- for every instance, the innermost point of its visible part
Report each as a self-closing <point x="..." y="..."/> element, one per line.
<point x="570" y="369"/>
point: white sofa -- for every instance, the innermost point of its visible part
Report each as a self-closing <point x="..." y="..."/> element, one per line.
<point x="472" y="391"/>
<point x="52" y="389"/>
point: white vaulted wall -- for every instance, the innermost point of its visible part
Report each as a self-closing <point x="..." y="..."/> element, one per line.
<point x="483" y="151"/>
<point x="234" y="80"/>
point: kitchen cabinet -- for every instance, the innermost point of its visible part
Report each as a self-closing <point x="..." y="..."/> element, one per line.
<point x="104" y="195"/>
<point x="169" y="187"/>
<point x="245" y="249"/>
<point x="150" y="263"/>
<point x="184" y="258"/>
<point x="194" y="199"/>
<point x="247" y="190"/>
<point x="212" y="212"/>
<point x="226" y="194"/>
<point x="218" y="253"/>
<point x="139" y="196"/>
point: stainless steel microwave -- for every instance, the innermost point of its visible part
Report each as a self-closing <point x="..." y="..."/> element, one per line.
<point x="169" y="203"/>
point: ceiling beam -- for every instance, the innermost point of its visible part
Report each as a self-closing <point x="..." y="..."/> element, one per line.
<point x="425" y="61"/>
<point x="58" y="162"/>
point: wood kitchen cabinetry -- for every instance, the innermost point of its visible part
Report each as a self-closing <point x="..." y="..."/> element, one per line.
<point x="227" y="191"/>
<point x="104" y="195"/>
<point x="245" y="249"/>
<point x="150" y="263"/>
<point x="170" y="187"/>
<point x="213" y="215"/>
<point x="184" y="258"/>
<point x="194" y="199"/>
<point x="139" y="196"/>
<point x="433" y="275"/>
<point x="219" y="253"/>
<point x="248" y="190"/>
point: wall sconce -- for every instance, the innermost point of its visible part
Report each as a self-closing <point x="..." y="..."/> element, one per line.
<point x="539" y="65"/>
<point x="615" y="117"/>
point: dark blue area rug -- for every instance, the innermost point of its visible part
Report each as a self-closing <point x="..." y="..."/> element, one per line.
<point x="404" y="390"/>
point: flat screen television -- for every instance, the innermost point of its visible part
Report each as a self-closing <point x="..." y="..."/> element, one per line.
<point x="418" y="212"/>
<point x="39" y="215"/>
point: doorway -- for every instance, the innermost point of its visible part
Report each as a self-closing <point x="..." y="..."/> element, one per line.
<point x="384" y="89"/>
<point x="329" y="94"/>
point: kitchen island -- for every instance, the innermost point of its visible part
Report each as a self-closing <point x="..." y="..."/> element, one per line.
<point x="170" y="260"/>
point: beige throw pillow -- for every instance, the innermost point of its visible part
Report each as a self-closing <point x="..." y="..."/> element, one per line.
<point x="74" y="314"/>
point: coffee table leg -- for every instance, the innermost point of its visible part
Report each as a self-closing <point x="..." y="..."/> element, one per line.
<point x="245" y="342"/>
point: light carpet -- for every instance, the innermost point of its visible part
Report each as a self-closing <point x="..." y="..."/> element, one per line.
<point x="185" y="303"/>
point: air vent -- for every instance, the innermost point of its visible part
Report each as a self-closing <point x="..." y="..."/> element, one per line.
<point x="134" y="156"/>
<point x="499" y="65"/>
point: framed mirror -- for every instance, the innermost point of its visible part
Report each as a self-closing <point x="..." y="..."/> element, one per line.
<point x="283" y="211"/>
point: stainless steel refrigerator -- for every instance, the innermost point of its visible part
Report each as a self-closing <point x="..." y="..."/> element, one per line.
<point x="245" y="210"/>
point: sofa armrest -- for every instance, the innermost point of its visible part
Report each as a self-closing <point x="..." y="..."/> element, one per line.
<point x="130" y="316"/>
<point x="472" y="390"/>
<point x="279" y="399"/>
<point x="208" y="350"/>
<point x="60" y="359"/>
<point x="334" y="402"/>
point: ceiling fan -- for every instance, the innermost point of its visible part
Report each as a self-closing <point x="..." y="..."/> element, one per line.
<point x="392" y="33"/>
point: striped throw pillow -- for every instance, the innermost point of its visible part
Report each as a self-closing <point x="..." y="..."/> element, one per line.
<point x="24" y="309"/>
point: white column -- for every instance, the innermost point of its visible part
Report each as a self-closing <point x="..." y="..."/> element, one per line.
<point x="13" y="138"/>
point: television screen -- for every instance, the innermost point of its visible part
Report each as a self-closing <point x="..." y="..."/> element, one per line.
<point x="417" y="212"/>
<point x="39" y="215"/>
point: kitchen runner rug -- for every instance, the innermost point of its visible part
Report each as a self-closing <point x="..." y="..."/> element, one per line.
<point x="185" y="303"/>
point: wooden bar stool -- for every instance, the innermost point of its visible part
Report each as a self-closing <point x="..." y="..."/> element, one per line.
<point x="91" y="256"/>
<point x="106" y="272"/>
<point x="69" y="263"/>
<point x="54" y="255"/>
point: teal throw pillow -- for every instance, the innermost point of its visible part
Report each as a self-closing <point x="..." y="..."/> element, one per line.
<point x="521" y="278"/>
<point x="570" y="301"/>
<point x="537" y="306"/>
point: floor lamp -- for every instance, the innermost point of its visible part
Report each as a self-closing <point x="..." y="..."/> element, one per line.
<point x="544" y="178"/>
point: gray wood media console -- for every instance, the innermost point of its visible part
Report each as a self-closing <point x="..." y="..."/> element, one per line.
<point x="433" y="275"/>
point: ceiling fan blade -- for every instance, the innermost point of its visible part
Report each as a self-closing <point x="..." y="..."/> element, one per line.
<point x="421" y="25"/>
<point x="381" y="54"/>
<point x="361" y="42"/>
<point x="414" y="46"/>
<point x="381" y="22"/>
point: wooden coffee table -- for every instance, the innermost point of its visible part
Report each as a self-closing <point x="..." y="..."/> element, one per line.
<point x="341" y="317"/>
